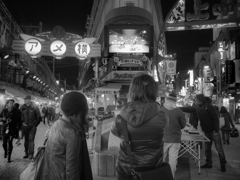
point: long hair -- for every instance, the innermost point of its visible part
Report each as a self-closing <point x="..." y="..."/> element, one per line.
<point x="143" y="88"/>
<point x="75" y="107"/>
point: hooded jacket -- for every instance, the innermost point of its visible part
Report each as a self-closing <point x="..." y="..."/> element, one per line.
<point x="145" y="126"/>
<point x="177" y="122"/>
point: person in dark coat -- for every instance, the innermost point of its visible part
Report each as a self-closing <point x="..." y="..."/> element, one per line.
<point x="9" y="117"/>
<point x="237" y="115"/>
<point x="145" y="126"/>
<point x="209" y="121"/>
<point x="64" y="158"/>
<point x="226" y="128"/>
<point x="31" y="117"/>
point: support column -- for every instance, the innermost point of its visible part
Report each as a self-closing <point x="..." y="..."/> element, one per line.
<point x="219" y="95"/>
<point x="53" y="65"/>
<point x="96" y="77"/>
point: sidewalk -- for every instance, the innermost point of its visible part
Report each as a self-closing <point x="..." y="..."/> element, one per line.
<point x="187" y="170"/>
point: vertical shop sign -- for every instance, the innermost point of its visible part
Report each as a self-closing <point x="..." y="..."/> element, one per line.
<point x="238" y="8"/>
<point x="230" y="74"/>
<point x="207" y="74"/>
<point x="237" y="71"/>
<point x="221" y="50"/>
<point x="191" y="78"/>
<point x="237" y="49"/>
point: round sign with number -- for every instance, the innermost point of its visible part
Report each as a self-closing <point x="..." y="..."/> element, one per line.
<point x="58" y="48"/>
<point x="82" y="49"/>
<point x="33" y="47"/>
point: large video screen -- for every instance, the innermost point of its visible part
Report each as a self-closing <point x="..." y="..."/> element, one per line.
<point x="129" y="39"/>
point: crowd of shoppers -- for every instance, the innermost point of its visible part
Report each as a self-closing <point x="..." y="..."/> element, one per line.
<point x="154" y="130"/>
<point x="22" y="121"/>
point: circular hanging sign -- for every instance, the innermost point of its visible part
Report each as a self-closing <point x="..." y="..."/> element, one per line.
<point x="33" y="47"/>
<point x="82" y="49"/>
<point x="58" y="48"/>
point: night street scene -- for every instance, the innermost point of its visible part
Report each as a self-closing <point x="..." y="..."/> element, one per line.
<point x="120" y="90"/>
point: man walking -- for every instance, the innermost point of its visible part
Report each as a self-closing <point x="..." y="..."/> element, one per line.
<point x="31" y="118"/>
<point x="172" y="135"/>
<point x="45" y="114"/>
<point x="209" y="121"/>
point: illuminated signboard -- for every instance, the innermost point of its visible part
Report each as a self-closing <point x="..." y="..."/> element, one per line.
<point x="221" y="50"/>
<point x="33" y="47"/>
<point x="207" y="74"/>
<point x="82" y="49"/>
<point x="190" y="72"/>
<point x="58" y="48"/>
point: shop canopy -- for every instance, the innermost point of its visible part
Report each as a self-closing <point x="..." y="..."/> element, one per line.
<point x="109" y="88"/>
<point x="14" y="92"/>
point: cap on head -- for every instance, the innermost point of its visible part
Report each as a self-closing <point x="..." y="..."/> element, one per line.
<point x="27" y="97"/>
<point x="172" y="97"/>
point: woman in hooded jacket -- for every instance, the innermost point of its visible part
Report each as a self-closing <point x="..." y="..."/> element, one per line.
<point x="66" y="155"/>
<point x="145" y="126"/>
<point x="226" y="128"/>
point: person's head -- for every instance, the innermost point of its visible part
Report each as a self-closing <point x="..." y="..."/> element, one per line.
<point x="16" y="105"/>
<point x="9" y="103"/>
<point x="143" y="88"/>
<point x="223" y="110"/>
<point x="208" y="100"/>
<point x="200" y="99"/>
<point x="171" y="99"/>
<point x="74" y="106"/>
<point x="27" y="100"/>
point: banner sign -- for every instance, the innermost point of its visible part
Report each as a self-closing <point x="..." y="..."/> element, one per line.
<point x="206" y="74"/>
<point x="230" y="72"/>
<point x="171" y="67"/>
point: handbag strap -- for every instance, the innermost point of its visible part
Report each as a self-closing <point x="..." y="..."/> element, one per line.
<point x="128" y="145"/>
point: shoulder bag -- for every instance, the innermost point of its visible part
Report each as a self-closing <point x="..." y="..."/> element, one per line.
<point x="160" y="173"/>
<point x="35" y="167"/>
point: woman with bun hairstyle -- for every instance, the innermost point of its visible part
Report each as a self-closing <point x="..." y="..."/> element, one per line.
<point x="10" y="118"/>
<point x="66" y="155"/>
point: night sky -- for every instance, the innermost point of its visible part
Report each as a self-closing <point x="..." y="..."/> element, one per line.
<point x="72" y="15"/>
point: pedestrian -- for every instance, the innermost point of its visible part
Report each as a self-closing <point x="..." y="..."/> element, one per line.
<point x="237" y="115"/>
<point x="64" y="157"/>
<point x="31" y="118"/>
<point x="9" y="117"/>
<point x="209" y="121"/>
<point x="41" y="113"/>
<point x="145" y="125"/>
<point x="19" y="132"/>
<point x="226" y="128"/>
<point x="45" y="114"/>
<point x="172" y="134"/>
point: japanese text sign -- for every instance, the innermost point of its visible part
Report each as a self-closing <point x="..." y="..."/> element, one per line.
<point x="58" y="48"/>
<point x="33" y="47"/>
<point x="82" y="49"/>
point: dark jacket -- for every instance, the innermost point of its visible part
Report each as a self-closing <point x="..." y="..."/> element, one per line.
<point x="209" y="119"/>
<point x="14" y="125"/>
<point x="63" y="154"/>
<point x="30" y="115"/>
<point x="228" y="121"/>
<point x="145" y="125"/>
<point x="177" y="122"/>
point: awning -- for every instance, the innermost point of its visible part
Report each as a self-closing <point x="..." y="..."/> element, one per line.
<point x="14" y="92"/>
<point x="108" y="89"/>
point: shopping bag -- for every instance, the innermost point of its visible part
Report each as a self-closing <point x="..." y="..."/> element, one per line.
<point x="221" y="122"/>
<point x="20" y="134"/>
<point x="234" y="133"/>
<point x="35" y="167"/>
